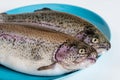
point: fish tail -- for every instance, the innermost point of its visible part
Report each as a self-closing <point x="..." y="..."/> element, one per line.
<point x="2" y="16"/>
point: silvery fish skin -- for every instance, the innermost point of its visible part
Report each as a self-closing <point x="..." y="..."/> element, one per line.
<point x="62" y="22"/>
<point x="36" y="51"/>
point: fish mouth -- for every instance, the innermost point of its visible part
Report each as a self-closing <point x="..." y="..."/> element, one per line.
<point x="91" y="60"/>
<point x="86" y="62"/>
<point x="102" y="47"/>
<point x="106" y="46"/>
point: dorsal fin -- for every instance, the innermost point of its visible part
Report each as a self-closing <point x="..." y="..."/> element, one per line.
<point x="43" y="9"/>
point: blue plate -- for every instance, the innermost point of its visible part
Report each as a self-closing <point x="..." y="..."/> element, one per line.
<point x="7" y="74"/>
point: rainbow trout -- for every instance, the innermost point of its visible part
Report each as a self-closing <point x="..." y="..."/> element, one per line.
<point x="62" y="22"/>
<point x="37" y="51"/>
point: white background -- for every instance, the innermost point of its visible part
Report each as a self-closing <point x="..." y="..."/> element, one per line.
<point x="108" y="66"/>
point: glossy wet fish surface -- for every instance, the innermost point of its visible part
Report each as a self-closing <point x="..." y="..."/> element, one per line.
<point x="62" y="22"/>
<point x="38" y="51"/>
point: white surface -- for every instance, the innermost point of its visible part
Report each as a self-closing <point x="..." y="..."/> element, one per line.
<point x="108" y="66"/>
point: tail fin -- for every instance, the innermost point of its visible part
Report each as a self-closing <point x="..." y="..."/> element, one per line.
<point x="2" y="17"/>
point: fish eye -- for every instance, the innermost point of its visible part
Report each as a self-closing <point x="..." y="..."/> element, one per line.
<point x="82" y="51"/>
<point x="95" y="40"/>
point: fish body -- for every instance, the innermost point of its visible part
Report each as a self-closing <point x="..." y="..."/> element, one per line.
<point x="37" y="51"/>
<point x="62" y="22"/>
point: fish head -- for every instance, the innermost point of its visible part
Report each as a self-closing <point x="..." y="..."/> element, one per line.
<point x="75" y="55"/>
<point x="95" y="38"/>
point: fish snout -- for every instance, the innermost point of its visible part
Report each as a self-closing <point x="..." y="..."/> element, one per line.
<point x="90" y="60"/>
<point x="108" y="46"/>
<point x="105" y="46"/>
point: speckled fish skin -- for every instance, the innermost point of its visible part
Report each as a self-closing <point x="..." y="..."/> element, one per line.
<point x="36" y="51"/>
<point x="65" y="23"/>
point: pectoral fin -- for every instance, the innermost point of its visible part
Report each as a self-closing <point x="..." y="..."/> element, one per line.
<point x="46" y="67"/>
